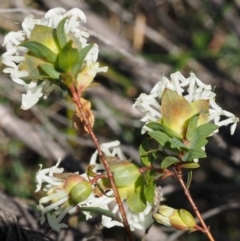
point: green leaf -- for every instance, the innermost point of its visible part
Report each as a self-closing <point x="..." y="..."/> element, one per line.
<point x="168" y="161"/>
<point x="176" y="143"/>
<point x="149" y="191"/>
<point x="159" y="127"/>
<point x="150" y="176"/>
<point x="81" y="57"/>
<point x="160" y="137"/>
<point x="136" y="201"/>
<point x="199" y="144"/>
<point x="68" y="57"/>
<point x="40" y="51"/>
<point x="101" y="211"/>
<point x="200" y="134"/>
<point x="191" y="165"/>
<point x="125" y="173"/>
<point x="194" y="154"/>
<point x="135" y="198"/>
<point x="146" y="154"/>
<point x="189" y="179"/>
<point x="192" y="125"/>
<point x="61" y="36"/>
<point x="90" y="172"/>
<point x="84" y="52"/>
<point x="50" y="71"/>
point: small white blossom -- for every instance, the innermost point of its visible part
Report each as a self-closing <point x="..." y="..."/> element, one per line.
<point x="191" y="89"/>
<point x="53" y="205"/>
<point x="46" y="175"/>
<point x="140" y="221"/>
<point x="14" y="55"/>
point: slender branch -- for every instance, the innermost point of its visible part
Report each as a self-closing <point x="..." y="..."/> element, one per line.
<point x="76" y="100"/>
<point x="178" y="174"/>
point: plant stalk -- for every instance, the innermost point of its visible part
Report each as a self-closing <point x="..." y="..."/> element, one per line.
<point x="76" y="99"/>
<point x="178" y="174"/>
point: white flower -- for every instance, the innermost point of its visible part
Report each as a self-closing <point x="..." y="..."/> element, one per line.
<point x="14" y="55"/>
<point x="140" y="221"/>
<point x="54" y="203"/>
<point x="191" y="89"/>
<point x="46" y="175"/>
<point x="110" y="149"/>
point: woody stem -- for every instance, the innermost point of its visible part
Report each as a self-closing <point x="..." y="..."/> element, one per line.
<point x="76" y="100"/>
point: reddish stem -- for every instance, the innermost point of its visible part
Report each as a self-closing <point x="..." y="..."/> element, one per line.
<point x="76" y="100"/>
<point x="205" y="229"/>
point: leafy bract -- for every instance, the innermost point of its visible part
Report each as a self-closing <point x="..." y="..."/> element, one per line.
<point x="192" y="125"/>
<point x="46" y="36"/>
<point x="159" y="127"/>
<point x="135" y="198"/>
<point x="40" y="51"/>
<point x="125" y="173"/>
<point x="176" y="111"/>
<point x="200" y="134"/>
<point x="61" y="36"/>
<point x="68" y="57"/>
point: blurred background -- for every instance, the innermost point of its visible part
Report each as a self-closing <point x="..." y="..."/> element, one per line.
<point x="140" y="41"/>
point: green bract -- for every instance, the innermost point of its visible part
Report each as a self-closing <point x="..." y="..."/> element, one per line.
<point x="135" y="197"/>
<point x="53" y="54"/>
<point x="181" y="133"/>
<point x="176" y="112"/>
<point x="125" y="173"/>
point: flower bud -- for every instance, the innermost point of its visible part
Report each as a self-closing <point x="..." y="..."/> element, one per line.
<point x="81" y="192"/>
<point x="71" y="181"/>
<point x="179" y="219"/>
<point x="85" y="77"/>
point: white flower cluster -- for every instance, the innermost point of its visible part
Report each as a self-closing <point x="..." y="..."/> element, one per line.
<point x="56" y="210"/>
<point x="14" y="55"/>
<point x="191" y="89"/>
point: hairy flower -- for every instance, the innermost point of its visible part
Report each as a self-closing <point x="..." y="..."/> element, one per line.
<point x="59" y="200"/>
<point x="17" y="61"/>
<point x="194" y="91"/>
